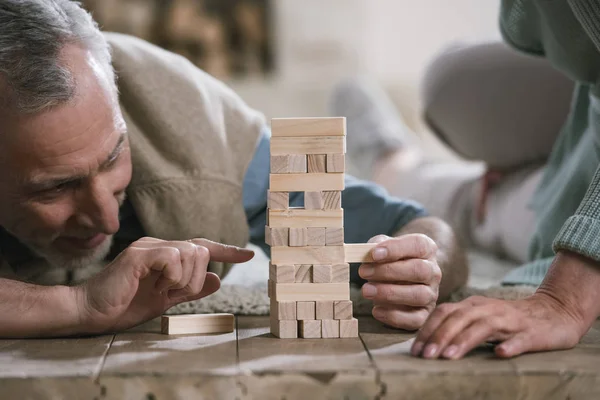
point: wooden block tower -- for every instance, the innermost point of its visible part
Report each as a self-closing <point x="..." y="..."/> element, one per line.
<point x="309" y="273"/>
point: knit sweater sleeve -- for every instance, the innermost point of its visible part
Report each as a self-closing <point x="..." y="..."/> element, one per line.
<point x="581" y="232"/>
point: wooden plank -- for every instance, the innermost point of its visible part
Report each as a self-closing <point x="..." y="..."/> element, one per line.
<point x="291" y="127"/>
<point x="288" y="164"/>
<point x="332" y="199"/>
<point x="316" y="237"/>
<point x="316" y="163"/>
<point x="307" y="145"/>
<point x="303" y="273"/>
<point x="310" y="291"/>
<point x="278" y="236"/>
<point x="305" y="310"/>
<point x="334" y="236"/>
<point x="308" y="329"/>
<point x="330" y="329"/>
<point x="324" y="310"/>
<point x="321" y="273"/>
<point x="307" y="255"/>
<point x="284" y="329"/>
<point x="197" y="324"/>
<point x="300" y="218"/>
<point x="283" y="310"/>
<point x="313" y="200"/>
<point x="358" y="252"/>
<point x="282" y="273"/>
<point x="306" y="182"/>
<point x="342" y="309"/>
<point x="298" y="237"/>
<point x="348" y="328"/>
<point x="278" y="200"/>
<point x="340" y="273"/>
<point x="336" y="163"/>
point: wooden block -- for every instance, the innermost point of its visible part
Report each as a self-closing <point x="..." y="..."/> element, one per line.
<point x="358" y="252"/>
<point x="278" y="200"/>
<point x="305" y="182"/>
<point x="349" y="328"/>
<point x="281" y="146"/>
<point x="298" y="237"/>
<point x="303" y="273"/>
<point x="286" y="127"/>
<point x="313" y="200"/>
<point x="340" y="273"/>
<point x="316" y="237"/>
<point x="336" y="163"/>
<point x="268" y="235"/>
<point x="307" y="255"/>
<point x="305" y="310"/>
<point x="324" y="310"/>
<point x="316" y="163"/>
<point x="310" y="291"/>
<point x="288" y="164"/>
<point x="284" y="329"/>
<point x="332" y="200"/>
<point x="282" y="273"/>
<point x="342" y="309"/>
<point x="330" y="328"/>
<point x="283" y="310"/>
<point x="321" y="273"/>
<point x="308" y="329"/>
<point x="334" y="236"/>
<point x="270" y="289"/>
<point x="279" y="236"/>
<point x="301" y="218"/>
<point x="197" y="323"/>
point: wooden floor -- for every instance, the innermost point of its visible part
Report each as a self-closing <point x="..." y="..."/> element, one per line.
<point x="250" y="363"/>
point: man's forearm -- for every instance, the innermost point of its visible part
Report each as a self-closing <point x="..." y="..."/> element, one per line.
<point x="573" y="281"/>
<point x="451" y="256"/>
<point x="28" y="310"/>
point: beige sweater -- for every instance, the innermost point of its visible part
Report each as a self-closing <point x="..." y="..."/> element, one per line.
<point x="191" y="140"/>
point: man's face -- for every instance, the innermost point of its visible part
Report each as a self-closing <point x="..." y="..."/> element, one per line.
<point x="64" y="171"/>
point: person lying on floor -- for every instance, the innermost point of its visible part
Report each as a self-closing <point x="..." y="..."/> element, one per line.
<point x="546" y="217"/>
<point x="78" y="256"/>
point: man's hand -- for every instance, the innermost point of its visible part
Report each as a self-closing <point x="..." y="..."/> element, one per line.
<point x="404" y="280"/>
<point x="149" y="277"/>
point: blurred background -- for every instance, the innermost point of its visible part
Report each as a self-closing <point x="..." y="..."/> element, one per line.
<point x="284" y="56"/>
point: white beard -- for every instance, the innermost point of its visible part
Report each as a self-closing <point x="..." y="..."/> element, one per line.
<point x="59" y="259"/>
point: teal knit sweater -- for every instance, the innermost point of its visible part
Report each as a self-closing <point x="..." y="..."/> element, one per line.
<point x="567" y="202"/>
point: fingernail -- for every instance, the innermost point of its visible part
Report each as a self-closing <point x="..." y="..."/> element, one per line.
<point x="450" y="351"/>
<point x="369" y="290"/>
<point x="430" y="351"/>
<point x="366" y="271"/>
<point x="416" y="349"/>
<point x="379" y="253"/>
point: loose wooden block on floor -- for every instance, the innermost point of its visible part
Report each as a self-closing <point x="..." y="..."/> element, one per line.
<point x="283" y="310"/>
<point x="310" y="291"/>
<point x="282" y="273"/>
<point x="342" y="309"/>
<point x="300" y="218"/>
<point x="313" y="201"/>
<point x="330" y="328"/>
<point x="336" y="163"/>
<point x="316" y="163"/>
<point x="324" y="310"/>
<point x="288" y="164"/>
<point x="358" y="252"/>
<point x="284" y="329"/>
<point x="303" y="273"/>
<point x="197" y="323"/>
<point x="305" y="182"/>
<point x="307" y="145"/>
<point x="309" y="329"/>
<point x="334" y="236"/>
<point x="316" y="237"/>
<point x="307" y="255"/>
<point x="340" y="273"/>
<point x="349" y="328"/>
<point x="332" y="199"/>
<point x="278" y="200"/>
<point x="321" y="273"/>
<point x="305" y="310"/>
<point x="279" y="236"/>
<point x="286" y="127"/>
<point x="298" y="237"/>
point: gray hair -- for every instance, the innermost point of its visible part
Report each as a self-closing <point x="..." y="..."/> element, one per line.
<point x="32" y="34"/>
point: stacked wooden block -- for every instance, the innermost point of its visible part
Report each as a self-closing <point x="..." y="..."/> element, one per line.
<point x="309" y="276"/>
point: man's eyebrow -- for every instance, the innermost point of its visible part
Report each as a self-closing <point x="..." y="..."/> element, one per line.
<point x="115" y="153"/>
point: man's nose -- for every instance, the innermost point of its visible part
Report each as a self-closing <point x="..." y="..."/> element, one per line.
<point x="99" y="208"/>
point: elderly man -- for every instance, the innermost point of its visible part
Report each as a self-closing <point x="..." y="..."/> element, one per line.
<point x="77" y="257"/>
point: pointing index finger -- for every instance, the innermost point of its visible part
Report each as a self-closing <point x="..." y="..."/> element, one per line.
<point x="224" y="252"/>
